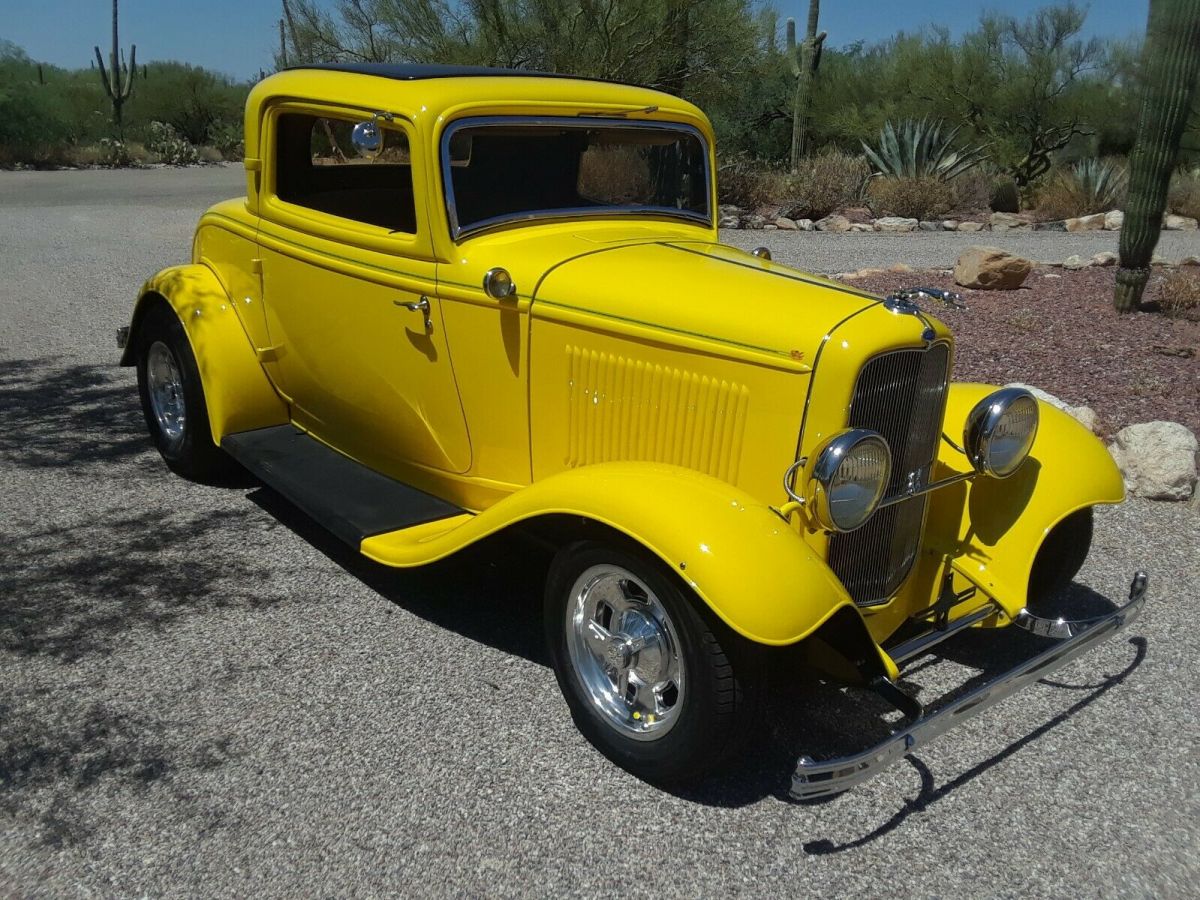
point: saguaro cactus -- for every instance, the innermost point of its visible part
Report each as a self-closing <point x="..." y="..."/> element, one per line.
<point x="1170" y="66"/>
<point x="804" y="62"/>
<point x="118" y="83"/>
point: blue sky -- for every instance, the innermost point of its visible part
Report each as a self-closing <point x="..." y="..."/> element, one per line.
<point x="238" y="36"/>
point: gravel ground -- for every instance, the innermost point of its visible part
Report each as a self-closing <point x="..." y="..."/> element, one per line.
<point x="201" y="693"/>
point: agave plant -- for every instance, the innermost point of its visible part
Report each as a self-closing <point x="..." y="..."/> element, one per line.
<point x="1096" y="185"/>
<point x="920" y="148"/>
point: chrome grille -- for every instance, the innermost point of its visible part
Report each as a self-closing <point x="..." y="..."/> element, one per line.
<point x="902" y="395"/>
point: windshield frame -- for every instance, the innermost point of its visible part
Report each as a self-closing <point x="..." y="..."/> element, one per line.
<point x="458" y="231"/>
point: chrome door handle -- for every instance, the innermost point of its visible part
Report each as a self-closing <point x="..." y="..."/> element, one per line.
<point x="421" y="306"/>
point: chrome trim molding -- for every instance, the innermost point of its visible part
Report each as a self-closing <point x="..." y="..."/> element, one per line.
<point x="922" y="642"/>
<point x="814" y="779"/>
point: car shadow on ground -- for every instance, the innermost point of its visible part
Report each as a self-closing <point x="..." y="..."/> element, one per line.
<point x="492" y="593"/>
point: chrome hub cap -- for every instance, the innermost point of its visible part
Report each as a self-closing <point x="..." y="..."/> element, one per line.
<point x="164" y="384"/>
<point x="625" y="651"/>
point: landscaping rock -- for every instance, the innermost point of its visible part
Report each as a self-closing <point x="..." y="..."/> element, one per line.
<point x="860" y="227"/>
<point x="1075" y="262"/>
<point x="1157" y="260"/>
<point x="1105" y="258"/>
<point x="1157" y="459"/>
<point x="729" y="221"/>
<point x="900" y="268"/>
<point x="1053" y="225"/>
<point x="1113" y="220"/>
<point x="783" y="223"/>
<point x="835" y="223"/>
<point x="895" y="223"/>
<point x="1094" y="222"/>
<point x="754" y="221"/>
<point x="929" y="226"/>
<point x="1190" y="261"/>
<point x="950" y="225"/>
<point x="1085" y="415"/>
<point x="1179" y="223"/>
<point x="970" y="226"/>
<point x="991" y="269"/>
<point x="804" y="224"/>
<point x="1002" y="221"/>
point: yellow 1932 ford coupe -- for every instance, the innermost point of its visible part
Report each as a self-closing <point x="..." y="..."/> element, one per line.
<point x="457" y="301"/>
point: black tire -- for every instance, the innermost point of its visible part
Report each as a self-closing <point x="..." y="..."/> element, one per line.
<point x="1061" y="555"/>
<point x="721" y="681"/>
<point x="190" y="452"/>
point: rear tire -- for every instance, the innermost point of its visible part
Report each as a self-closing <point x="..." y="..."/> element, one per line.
<point x="173" y="398"/>
<point x="673" y="708"/>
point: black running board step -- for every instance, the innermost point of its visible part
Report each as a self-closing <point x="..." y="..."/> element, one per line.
<point x="346" y="497"/>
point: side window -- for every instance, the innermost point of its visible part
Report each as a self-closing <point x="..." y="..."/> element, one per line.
<point x="316" y="167"/>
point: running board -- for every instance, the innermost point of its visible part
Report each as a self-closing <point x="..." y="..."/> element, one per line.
<point x="349" y="499"/>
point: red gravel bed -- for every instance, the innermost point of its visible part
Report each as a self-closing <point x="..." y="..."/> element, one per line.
<point x="1063" y="335"/>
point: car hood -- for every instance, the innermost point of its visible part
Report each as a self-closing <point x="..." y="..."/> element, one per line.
<point x="703" y="290"/>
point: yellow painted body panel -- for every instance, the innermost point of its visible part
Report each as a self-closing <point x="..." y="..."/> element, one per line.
<point x="643" y="376"/>
<point x="734" y="551"/>
<point x="238" y="393"/>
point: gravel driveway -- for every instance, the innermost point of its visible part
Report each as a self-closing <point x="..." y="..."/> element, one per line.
<point x="202" y="693"/>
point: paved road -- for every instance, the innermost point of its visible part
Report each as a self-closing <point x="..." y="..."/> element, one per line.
<point x="203" y="694"/>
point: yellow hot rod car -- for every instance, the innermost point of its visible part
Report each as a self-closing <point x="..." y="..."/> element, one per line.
<point x="456" y="301"/>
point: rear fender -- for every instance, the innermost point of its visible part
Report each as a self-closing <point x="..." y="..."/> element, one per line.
<point x="994" y="527"/>
<point x="238" y="393"/>
<point x="738" y="555"/>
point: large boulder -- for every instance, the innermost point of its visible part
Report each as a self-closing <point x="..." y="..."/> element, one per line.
<point x="1085" y="415"/>
<point x="895" y="223"/>
<point x="1075" y="262"/>
<point x="1158" y="460"/>
<point x="1094" y="222"/>
<point x="834" y="223"/>
<point x="991" y="269"/>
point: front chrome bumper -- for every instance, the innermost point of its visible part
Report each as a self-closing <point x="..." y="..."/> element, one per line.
<point x="819" y="779"/>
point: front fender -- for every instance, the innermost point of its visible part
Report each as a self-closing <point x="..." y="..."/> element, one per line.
<point x="738" y="555"/>
<point x="236" y="389"/>
<point x="994" y="527"/>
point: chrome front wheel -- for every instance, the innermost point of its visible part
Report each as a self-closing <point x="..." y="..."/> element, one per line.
<point x="164" y="384"/>
<point x="626" y="652"/>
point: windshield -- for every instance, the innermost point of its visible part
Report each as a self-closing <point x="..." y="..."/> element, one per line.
<point x="497" y="170"/>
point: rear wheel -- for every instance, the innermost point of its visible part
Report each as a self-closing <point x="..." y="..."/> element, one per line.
<point x="173" y="398"/>
<point x="649" y="675"/>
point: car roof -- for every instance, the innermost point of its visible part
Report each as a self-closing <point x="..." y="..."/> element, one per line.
<point x="422" y="71"/>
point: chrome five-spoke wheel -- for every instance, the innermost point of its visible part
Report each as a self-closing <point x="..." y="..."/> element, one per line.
<point x="164" y="384"/>
<point x="625" y="651"/>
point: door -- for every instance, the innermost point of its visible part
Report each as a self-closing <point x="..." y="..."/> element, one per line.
<point x="356" y="331"/>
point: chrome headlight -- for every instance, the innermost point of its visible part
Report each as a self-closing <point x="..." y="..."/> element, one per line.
<point x="1000" y="430"/>
<point x="849" y="478"/>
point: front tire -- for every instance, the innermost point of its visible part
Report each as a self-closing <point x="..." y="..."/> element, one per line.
<point x="173" y="398"/>
<point x="648" y="673"/>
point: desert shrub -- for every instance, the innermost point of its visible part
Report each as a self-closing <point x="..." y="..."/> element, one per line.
<point x="35" y="125"/>
<point x="1089" y="186"/>
<point x="114" y="154"/>
<point x="823" y="184"/>
<point x="913" y="198"/>
<point x="164" y="142"/>
<point x="970" y="191"/>
<point x="615" y="173"/>
<point x="1005" y="196"/>
<point x="920" y="148"/>
<point x="747" y="183"/>
<point x="1184" y="196"/>
<point x="1179" y="294"/>
<point x="228" y="141"/>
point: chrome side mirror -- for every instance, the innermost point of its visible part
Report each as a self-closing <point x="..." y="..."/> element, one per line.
<point x="367" y="137"/>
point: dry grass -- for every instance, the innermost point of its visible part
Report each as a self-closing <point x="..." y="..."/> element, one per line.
<point x="1184" y="196"/>
<point x="913" y="198"/>
<point x="1179" y="294"/>
<point x="618" y="175"/>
